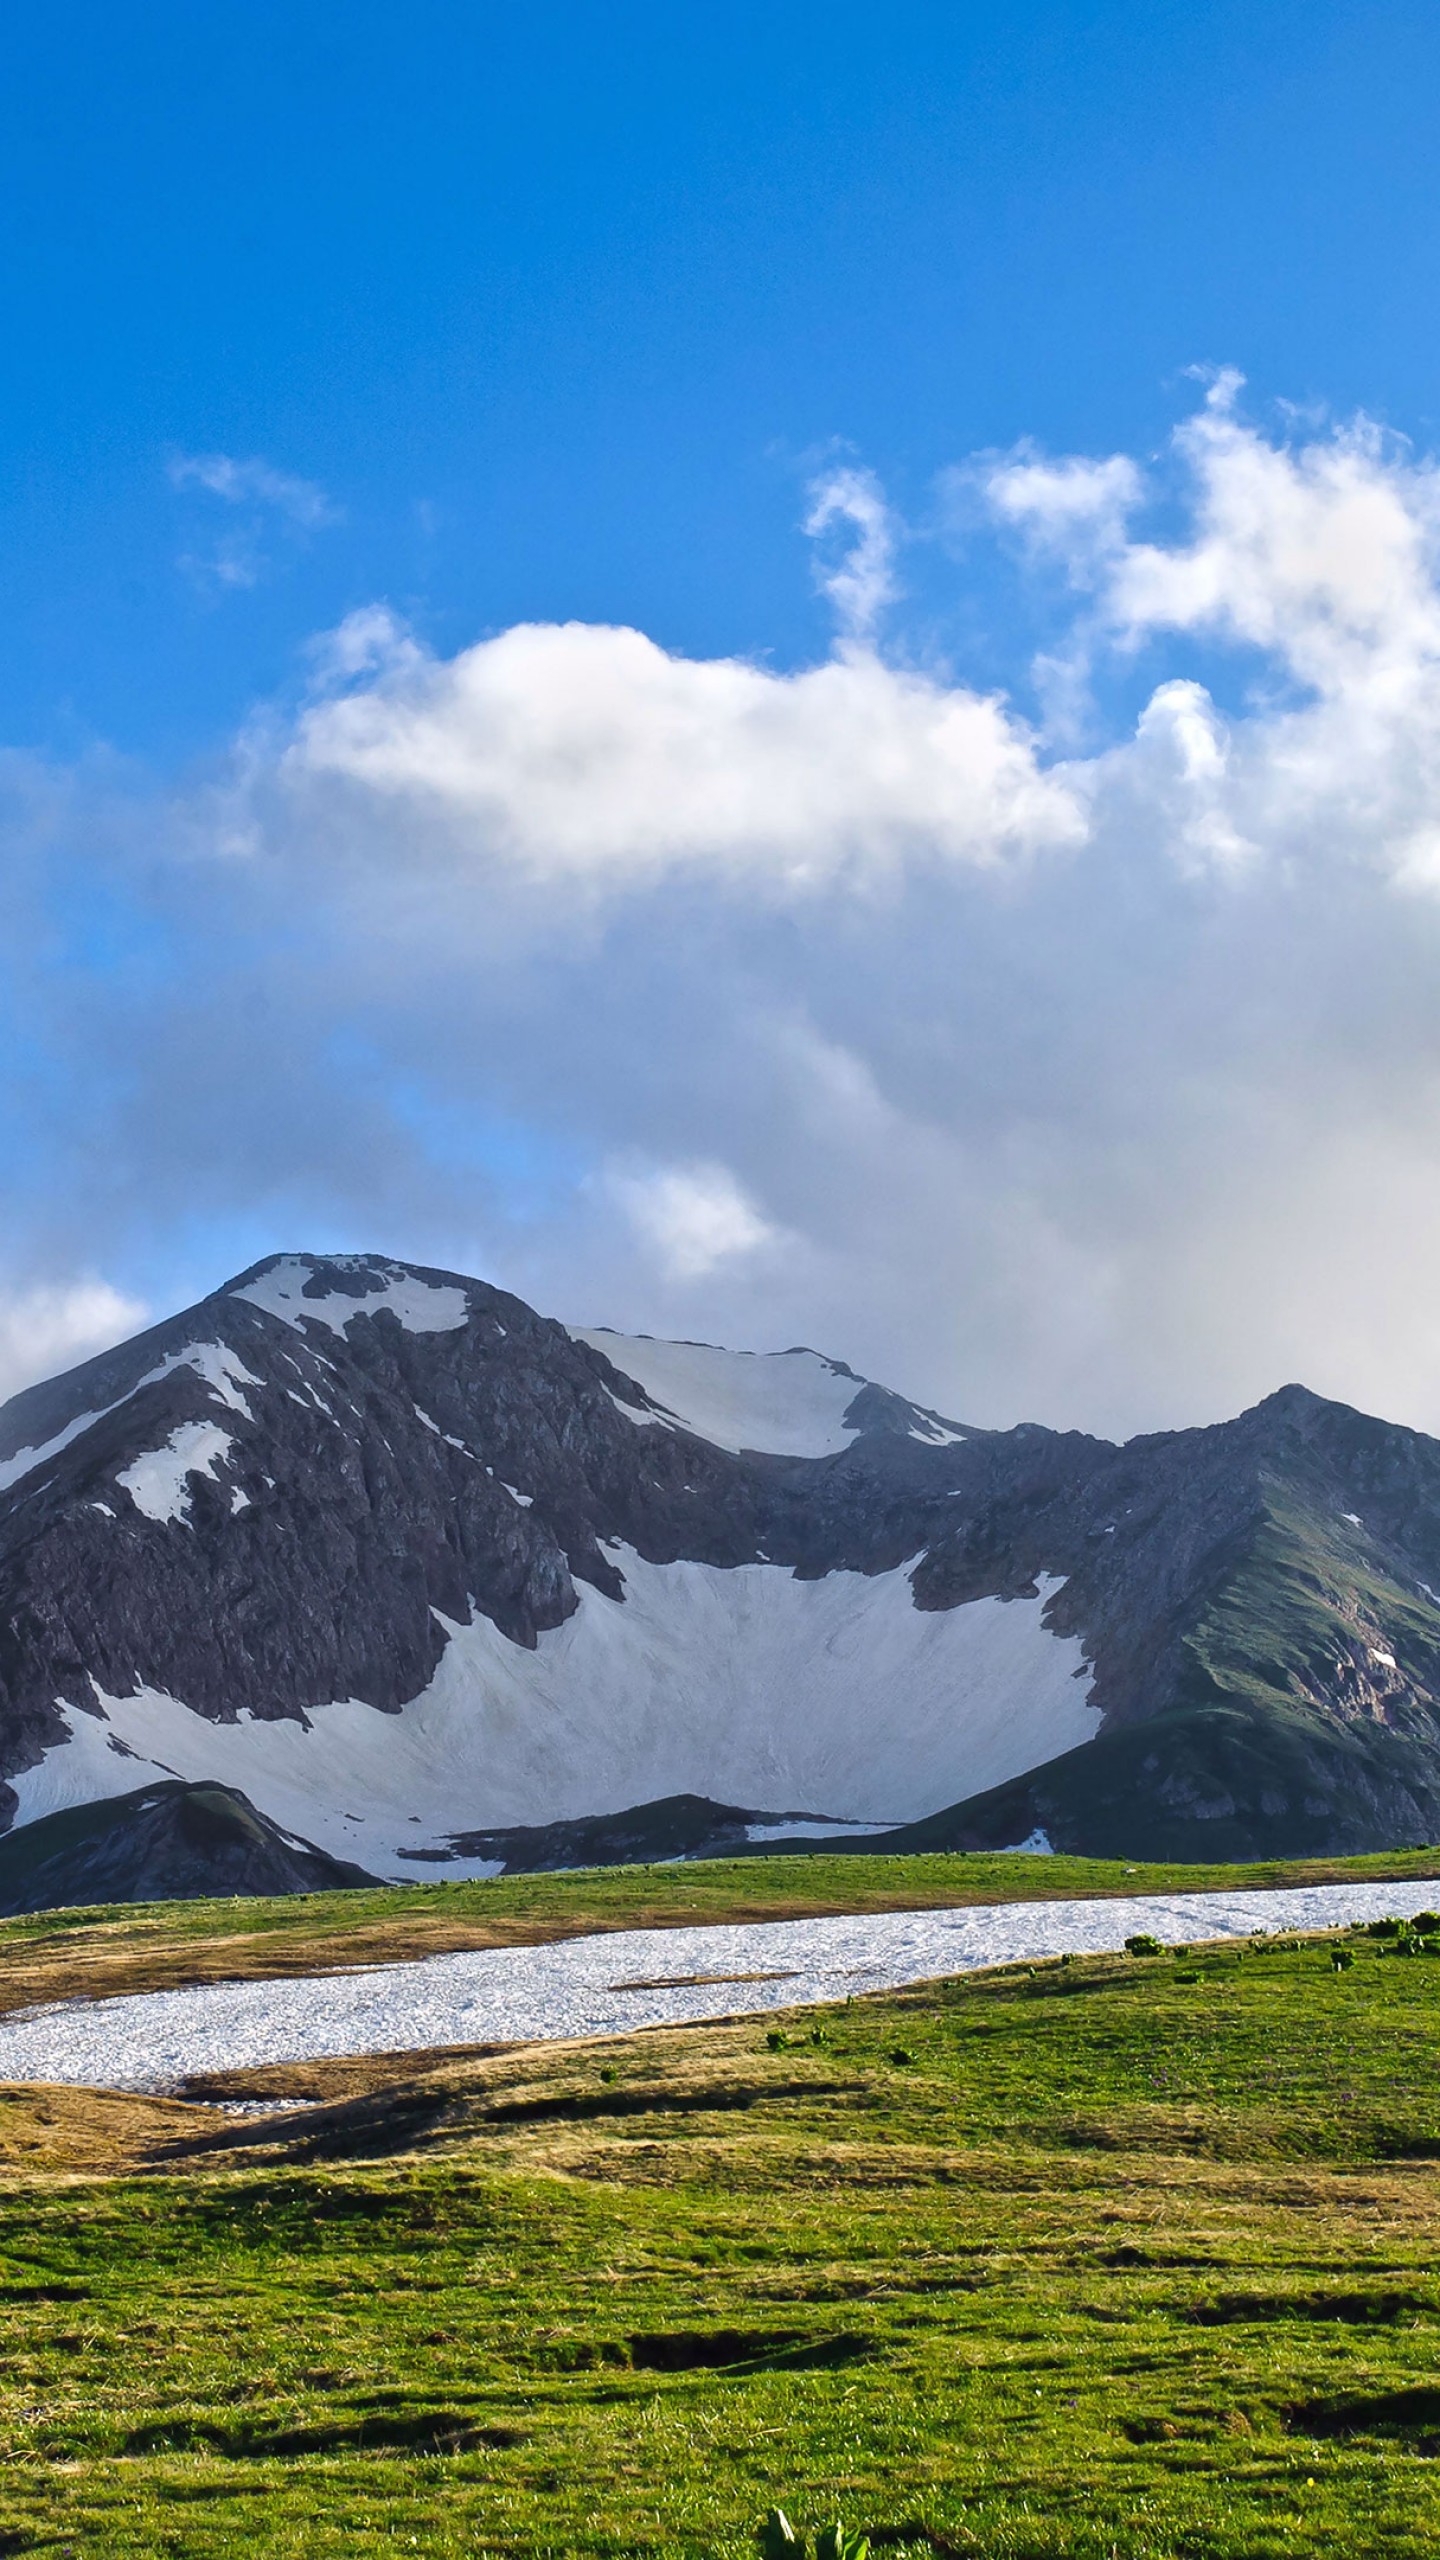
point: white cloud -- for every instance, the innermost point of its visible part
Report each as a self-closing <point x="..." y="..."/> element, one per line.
<point x="836" y="1004"/>
<point x="253" y="483"/>
<point x="1076" y="507"/>
<point x="54" y="1325"/>
<point x="261" y="501"/>
<point x="861" y="583"/>
<point x="693" y="1218"/>
<point x="588" y="756"/>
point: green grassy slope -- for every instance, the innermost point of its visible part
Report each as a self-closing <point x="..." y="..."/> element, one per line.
<point x="1115" y="2259"/>
<point x="1297" y="1715"/>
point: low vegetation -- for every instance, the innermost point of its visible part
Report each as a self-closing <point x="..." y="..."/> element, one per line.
<point x="1114" y="2258"/>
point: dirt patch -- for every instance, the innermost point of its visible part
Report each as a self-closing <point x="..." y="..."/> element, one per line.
<point x="445" y="2430"/>
<point x="1409" y="2417"/>
<point x="1355" y="2310"/>
<point x="694" y="1981"/>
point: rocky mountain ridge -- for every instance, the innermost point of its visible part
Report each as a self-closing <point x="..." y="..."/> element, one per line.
<point x="420" y="1571"/>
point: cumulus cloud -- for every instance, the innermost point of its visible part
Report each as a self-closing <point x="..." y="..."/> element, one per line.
<point x="589" y="757"/>
<point x="53" y="1325"/>
<point x="1076" y="508"/>
<point x="694" y="1218"/>
<point x="1322" y="557"/>
<point x="838" y="1003"/>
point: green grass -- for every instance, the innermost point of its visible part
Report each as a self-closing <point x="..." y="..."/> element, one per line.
<point x="1123" y="2259"/>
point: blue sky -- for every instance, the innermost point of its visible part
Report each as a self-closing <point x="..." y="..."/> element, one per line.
<point x="429" y="327"/>
<point x="558" y="305"/>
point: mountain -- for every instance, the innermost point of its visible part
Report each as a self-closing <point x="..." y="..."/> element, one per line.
<point x="442" y="1585"/>
<point x="160" y="1844"/>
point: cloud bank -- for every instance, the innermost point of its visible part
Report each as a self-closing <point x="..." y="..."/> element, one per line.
<point x="1078" y="1063"/>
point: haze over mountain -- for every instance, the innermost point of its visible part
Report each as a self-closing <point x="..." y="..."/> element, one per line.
<point x="438" y="1584"/>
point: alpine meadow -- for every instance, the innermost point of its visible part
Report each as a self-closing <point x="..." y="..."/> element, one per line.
<point x="719" y="1385"/>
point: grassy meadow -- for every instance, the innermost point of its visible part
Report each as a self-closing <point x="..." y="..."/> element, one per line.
<point x="1111" y="2258"/>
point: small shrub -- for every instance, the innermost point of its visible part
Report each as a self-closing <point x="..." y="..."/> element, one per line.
<point x="1341" y="1959"/>
<point x="1142" y="1945"/>
<point x="1426" y="1924"/>
<point x="778" y="2041"/>
<point x="902" y="2054"/>
<point x="778" y="2538"/>
<point x="1384" y="1928"/>
<point x="836" y="2544"/>
<point x="608" y="2071"/>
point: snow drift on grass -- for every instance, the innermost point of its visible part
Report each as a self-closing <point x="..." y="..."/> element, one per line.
<point x="501" y="1995"/>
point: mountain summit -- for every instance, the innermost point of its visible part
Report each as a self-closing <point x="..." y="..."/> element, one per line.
<point x="427" y="1577"/>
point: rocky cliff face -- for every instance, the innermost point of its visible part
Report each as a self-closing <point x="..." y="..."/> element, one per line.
<point x="416" y="1567"/>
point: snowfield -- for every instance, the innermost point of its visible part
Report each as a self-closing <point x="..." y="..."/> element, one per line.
<point x="791" y="1403"/>
<point x="606" y="1985"/>
<point x="835" y="1697"/>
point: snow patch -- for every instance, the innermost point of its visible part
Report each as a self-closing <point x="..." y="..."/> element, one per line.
<point x="447" y="1436"/>
<point x="221" y="1369"/>
<point x="790" y="1403"/>
<point x="636" y="1413"/>
<point x="422" y="1306"/>
<point x="159" y="1483"/>
<point x="780" y="1830"/>
<point x="25" y="1461"/>
<point x="1039" y="1845"/>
